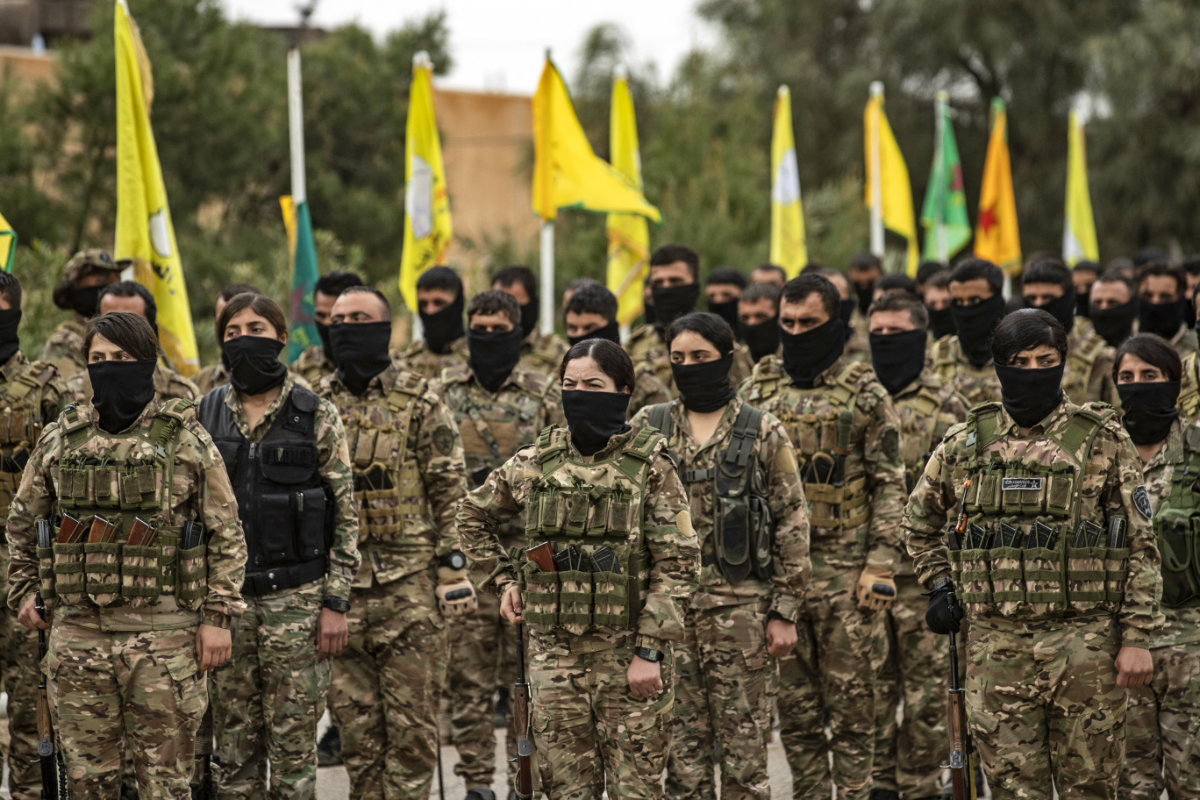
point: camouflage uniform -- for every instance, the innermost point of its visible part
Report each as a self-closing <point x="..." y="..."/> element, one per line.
<point x="858" y="343"/>
<point x="418" y="358"/>
<point x="268" y="699"/>
<point x="1088" y="374"/>
<point x="210" y="377"/>
<point x="543" y="352"/>
<point x="408" y="467"/>
<point x="1184" y="341"/>
<point x="950" y="365"/>
<point x="908" y="756"/>
<point x="121" y="660"/>
<point x="493" y="427"/>
<point x="723" y="672"/>
<point x="168" y="384"/>
<point x="312" y="365"/>
<point x="64" y="347"/>
<point x="588" y="729"/>
<point x="1189" y="390"/>
<point x="648" y="390"/>
<point x="646" y="348"/>
<point x="1163" y="722"/>
<point x="1044" y="623"/>
<point x="854" y="520"/>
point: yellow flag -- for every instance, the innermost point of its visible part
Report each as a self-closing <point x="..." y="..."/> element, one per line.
<point x="788" y="247"/>
<point x="997" y="238"/>
<point x="566" y="173"/>
<point x="144" y="230"/>
<point x="891" y="176"/>
<point x="427" y="225"/>
<point x="8" y="244"/>
<point x="628" y="234"/>
<point x="1079" y="229"/>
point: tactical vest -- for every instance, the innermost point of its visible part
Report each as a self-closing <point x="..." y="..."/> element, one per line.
<point x="587" y="505"/>
<point x="1189" y="390"/>
<point x="490" y="438"/>
<point x="1080" y="362"/>
<point x="1176" y="526"/>
<point x="283" y="502"/>
<point x="944" y="360"/>
<point x="919" y="414"/>
<point x="122" y="478"/>
<point x="1019" y="552"/>
<point x="743" y="531"/>
<point x="21" y="424"/>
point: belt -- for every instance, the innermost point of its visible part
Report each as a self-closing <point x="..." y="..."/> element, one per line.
<point x="279" y="578"/>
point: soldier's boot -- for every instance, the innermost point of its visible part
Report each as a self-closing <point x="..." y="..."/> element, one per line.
<point x="329" y="749"/>
<point x="480" y="793"/>
<point x="884" y="794"/>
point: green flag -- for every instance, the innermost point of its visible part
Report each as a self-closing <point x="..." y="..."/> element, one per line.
<point x="303" y="331"/>
<point x="944" y="215"/>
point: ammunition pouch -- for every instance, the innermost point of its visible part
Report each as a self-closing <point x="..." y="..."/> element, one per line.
<point x="1176" y="525"/>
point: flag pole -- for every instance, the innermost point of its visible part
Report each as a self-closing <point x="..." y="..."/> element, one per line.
<point x="296" y="126"/>
<point x="876" y="178"/>
<point x="620" y="73"/>
<point x="940" y="130"/>
<point x="546" y="312"/>
<point x="416" y="329"/>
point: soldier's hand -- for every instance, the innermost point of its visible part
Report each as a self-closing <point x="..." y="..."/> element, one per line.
<point x="214" y="645"/>
<point x="645" y="677"/>
<point x="332" y="633"/>
<point x="29" y="616"/>
<point x="781" y="637"/>
<point x="1134" y="666"/>
<point x="876" y="589"/>
<point x="455" y="594"/>
<point x="944" y="612"/>
<point x="510" y="604"/>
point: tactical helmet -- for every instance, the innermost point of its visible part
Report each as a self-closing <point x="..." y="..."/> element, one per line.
<point x="81" y="265"/>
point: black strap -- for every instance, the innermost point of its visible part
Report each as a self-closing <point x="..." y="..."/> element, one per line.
<point x="276" y="580"/>
<point x="660" y="417"/>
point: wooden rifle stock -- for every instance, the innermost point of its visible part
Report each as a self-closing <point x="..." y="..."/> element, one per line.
<point x="962" y="760"/>
<point x="45" y="747"/>
<point x="520" y="718"/>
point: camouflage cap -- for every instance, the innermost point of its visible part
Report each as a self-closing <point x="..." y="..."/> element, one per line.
<point x="86" y="261"/>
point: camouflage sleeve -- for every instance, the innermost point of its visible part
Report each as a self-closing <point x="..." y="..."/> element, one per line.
<point x="792" y="567"/>
<point x="674" y="554"/>
<point x="34" y="500"/>
<point x="648" y="390"/>
<point x="929" y="508"/>
<point x="1101" y="386"/>
<point x="483" y="513"/>
<point x="885" y="476"/>
<point x="443" y="469"/>
<point x="335" y="471"/>
<point x="552" y="410"/>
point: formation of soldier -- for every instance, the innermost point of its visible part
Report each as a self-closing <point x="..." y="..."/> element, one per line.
<point x="775" y="508"/>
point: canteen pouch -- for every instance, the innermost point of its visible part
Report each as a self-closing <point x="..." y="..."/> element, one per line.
<point x="574" y="601"/>
<point x="1179" y="546"/>
<point x="1086" y="577"/>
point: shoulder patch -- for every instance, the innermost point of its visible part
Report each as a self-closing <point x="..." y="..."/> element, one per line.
<point x="1141" y="501"/>
<point x="443" y="439"/>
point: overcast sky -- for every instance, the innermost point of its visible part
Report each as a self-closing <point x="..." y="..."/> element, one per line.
<point x="498" y="45"/>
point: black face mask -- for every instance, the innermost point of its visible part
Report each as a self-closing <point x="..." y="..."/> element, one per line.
<point x="594" y="417"/>
<point x="253" y="363"/>
<point x="120" y="391"/>
<point x="1083" y="306"/>
<point x="1030" y="395"/>
<point x="1161" y="318"/>
<point x="1061" y="308"/>
<point x="1149" y="409"/>
<point x="10" y="319"/>
<point x="323" y="332"/>
<point x="672" y="302"/>
<point x="648" y="313"/>
<point x="974" y="325"/>
<point x="705" y="386"/>
<point x="865" y="295"/>
<point x="763" y="338"/>
<point x="1115" y="324"/>
<point x="493" y="356"/>
<point x="443" y="328"/>
<point x="941" y="322"/>
<point x="727" y="311"/>
<point x="898" y="358"/>
<point x="611" y="331"/>
<point x="806" y="355"/>
<point x="85" y="300"/>
<point x="846" y="312"/>
<point x="360" y="350"/>
<point x="529" y="317"/>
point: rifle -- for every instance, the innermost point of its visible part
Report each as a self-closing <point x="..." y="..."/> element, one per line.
<point x="45" y="748"/>
<point x="962" y="758"/>
<point x="520" y="718"/>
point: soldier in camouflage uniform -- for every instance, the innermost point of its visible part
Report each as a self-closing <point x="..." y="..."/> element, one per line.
<point x="736" y="464"/>
<point x="600" y="669"/>
<point x="499" y="406"/>
<point x="540" y="352"/>
<point x="964" y="359"/>
<point x="135" y="626"/>
<point x="212" y="376"/>
<point x="78" y="290"/>
<point x="317" y="361"/>
<point x="1163" y="722"/>
<point x="440" y="305"/>
<point x="408" y="466"/>
<point x="847" y="439"/>
<point x="1033" y="514"/>
<point x="285" y="451"/>
<point x="1162" y="305"/>
<point x="857" y="348"/>
<point x="758" y="320"/>
<point x="908" y="756"/>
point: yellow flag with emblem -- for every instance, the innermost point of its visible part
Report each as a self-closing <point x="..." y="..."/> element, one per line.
<point x="628" y="234"/>
<point x="888" y="174"/>
<point x="1079" y="228"/>
<point x="788" y="247"/>
<point x="8" y="243"/>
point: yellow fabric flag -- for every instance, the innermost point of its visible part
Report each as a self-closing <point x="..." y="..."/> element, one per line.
<point x="427" y="225"/>
<point x="1079" y="229"/>
<point x="566" y="173"/>
<point x="144" y="230"/>
<point x="8" y="244"/>
<point x="628" y="234"/>
<point x="895" y="191"/>
<point x="288" y="209"/>
<point x="788" y="247"/>
<point x="997" y="238"/>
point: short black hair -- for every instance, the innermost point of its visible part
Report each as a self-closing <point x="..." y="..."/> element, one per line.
<point x="713" y="329"/>
<point x="1157" y="269"/>
<point x="10" y="289"/>
<point x="726" y="275"/>
<point x="975" y="268"/>
<point x="494" y="301"/>
<point x="231" y="291"/>
<point x="1190" y="265"/>
<point x="799" y="288"/>
<point x="1048" y="269"/>
<point x="927" y="269"/>
<point x="132" y="289"/>
<point x="897" y="283"/>
<point x="670" y="253"/>
<point x="768" y="267"/>
<point x="337" y="282"/>
<point x="761" y="291"/>
<point x="609" y="356"/>
<point x="259" y="304"/>
<point x="518" y="274"/>
<point x="1117" y="275"/>
<point x="1148" y="254"/>
<point x="1154" y="350"/>
<point x="442" y="278"/>
<point x="130" y="332"/>
<point x="899" y="300"/>
<point x="864" y="261"/>
<point x="1094" y="268"/>
<point x="593" y="299"/>
<point x="1025" y="329"/>
<point x="939" y="279"/>
<point x="387" y="306"/>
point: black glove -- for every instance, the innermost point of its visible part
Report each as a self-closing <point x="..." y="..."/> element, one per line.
<point x="944" y="612"/>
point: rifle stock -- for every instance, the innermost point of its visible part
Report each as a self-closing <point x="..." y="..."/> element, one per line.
<point x="962" y="758"/>
<point x="45" y="747"/>
<point x="520" y="718"/>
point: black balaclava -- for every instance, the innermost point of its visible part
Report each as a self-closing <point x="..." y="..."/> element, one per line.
<point x="120" y="391"/>
<point x="10" y="343"/>
<point x="941" y="322"/>
<point x="705" y="386"/>
<point x="974" y="326"/>
<point x="672" y="302"/>
<point x="865" y="295"/>
<point x="846" y="313"/>
<point x="611" y="331"/>
<point x="1030" y="395"/>
<point x="1115" y="324"/>
<point x="360" y="351"/>
<point x="762" y="338"/>
<point x="806" y="355"/>
<point x="253" y="363"/>
<point x="898" y="358"/>
<point x="443" y="328"/>
<point x="326" y="347"/>
<point x="594" y="417"/>
<point x="1161" y="318"/>
<point x="86" y="300"/>
<point x="493" y="355"/>
<point x="1061" y="308"/>
<point x="1149" y="409"/>
<point x="727" y="310"/>
<point x="529" y="317"/>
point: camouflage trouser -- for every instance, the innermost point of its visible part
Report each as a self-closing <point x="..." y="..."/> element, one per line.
<point x="908" y="756"/>
<point x="588" y="729"/>
<point x="1043" y="702"/>
<point x="107" y="688"/>
<point x="722" y="694"/>
<point x="830" y="680"/>
<point x="268" y="699"/>
<point x="19" y="663"/>
<point x="1162" y="728"/>
<point x="384" y="695"/>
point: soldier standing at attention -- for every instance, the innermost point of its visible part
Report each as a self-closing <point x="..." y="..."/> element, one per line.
<point x="606" y="501"/>
<point x="1032" y="520"/>
<point x="285" y="451"/>
<point x="408" y="468"/>
<point x="739" y="471"/>
<point x="317" y="361"/>
<point x="722" y="289"/>
<point x="1162" y="306"/>
<point x="440" y="306"/>
<point x="758" y="320"/>
<point x="78" y="290"/>
<point x="964" y="359"/>
<point x="847" y="439"/>
<point x="540" y="352"/>
<point x="212" y="376"/>
<point x="499" y="405"/>
<point x="126" y="511"/>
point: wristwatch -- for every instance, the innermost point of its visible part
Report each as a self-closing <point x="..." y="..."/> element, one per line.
<point x="647" y="654"/>
<point x="339" y="604"/>
<point x="454" y="560"/>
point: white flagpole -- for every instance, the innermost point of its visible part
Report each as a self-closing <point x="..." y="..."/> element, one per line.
<point x="546" y="313"/>
<point x="296" y="127"/>
<point x="876" y="178"/>
<point x="939" y="127"/>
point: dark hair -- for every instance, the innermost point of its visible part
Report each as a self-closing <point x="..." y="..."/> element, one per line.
<point x="132" y="289"/>
<point x="494" y="301"/>
<point x="130" y="332"/>
<point x="670" y="253"/>
<point x="799" y="288"/>
<point x="768" y="267"/>
<point x="1025" y="329"/>
<point x="1156" y="269"/>
<point x="10" y="288"/>
<point x="1154" y="350"/>
<point x="440" y="278"/>
<point x="899" y="300"/>
<point x="762" y="291"/>
<point x="1147" y="255"/>
<point x="1048" y="269"/>
<point x="1190" y="265"/>
<point x="371" y="290"/>
<point x="927" y="269"/>
<point x="260" y="304"/>
<point x="234" y="289"/>
<point x="579" y="283"/>
<point x="1117" y="275"/>
<point x="974" y="268"/>
<point x="518" y="274"/>
<point x="1094" y="268"/>
<point x="865" y="260"/>
<point x="337" y="282"/>
<point x="897" y="283"/>
<point x="610" y="356"/>
<point x="939" y="279"/>
<point x="593" y="299"/>
<point x="1122" y="264"/>
<point x="727" y="275"/>
<point x="714" y="329"/>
